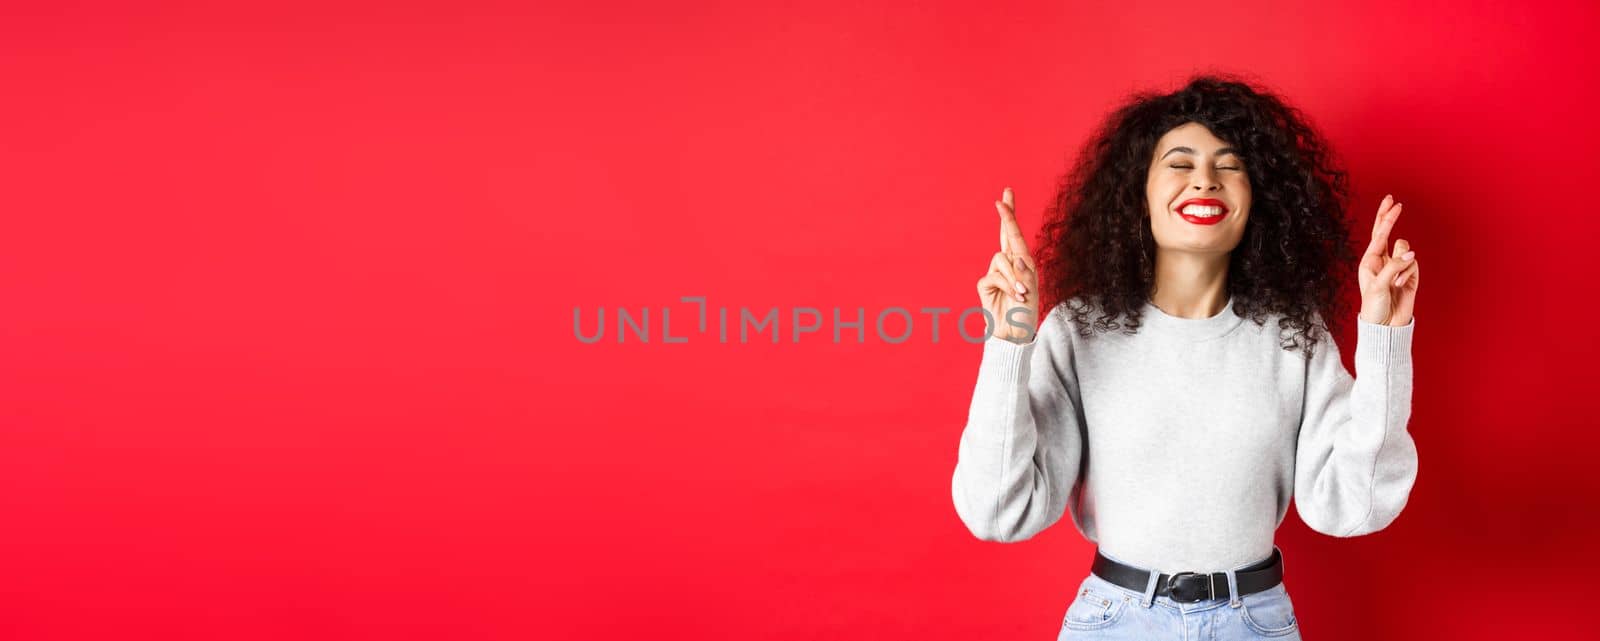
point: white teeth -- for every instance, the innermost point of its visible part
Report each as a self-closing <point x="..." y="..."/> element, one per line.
<point x="1204" y="211"/>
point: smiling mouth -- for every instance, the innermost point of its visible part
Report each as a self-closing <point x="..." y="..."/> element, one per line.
<point x="1202" y="211"/>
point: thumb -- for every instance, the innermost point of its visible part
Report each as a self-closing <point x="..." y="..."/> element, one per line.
<point x="1026" y="272"/>
<point x="1391" y="269"/>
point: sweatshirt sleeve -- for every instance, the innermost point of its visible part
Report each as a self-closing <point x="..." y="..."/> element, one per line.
<point x="1355" y="462"/>
<point x="1019" y="454"/>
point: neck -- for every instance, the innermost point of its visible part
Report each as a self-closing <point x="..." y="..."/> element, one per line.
<point x="1190" y="285"/>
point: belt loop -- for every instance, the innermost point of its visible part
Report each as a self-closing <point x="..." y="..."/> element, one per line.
<point x="1233" y="589"/>
<point x="1150" y="590"/>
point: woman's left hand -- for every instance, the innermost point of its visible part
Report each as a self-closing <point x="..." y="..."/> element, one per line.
<point x="1388" y="280"/>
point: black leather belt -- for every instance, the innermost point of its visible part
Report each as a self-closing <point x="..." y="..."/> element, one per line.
<point x="1191" y="587"/>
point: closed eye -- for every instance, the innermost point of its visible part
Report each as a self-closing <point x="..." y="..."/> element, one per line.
<point x="1192" y="167"/>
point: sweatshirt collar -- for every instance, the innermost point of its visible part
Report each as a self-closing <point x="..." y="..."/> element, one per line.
<point x="1191" y="328"/>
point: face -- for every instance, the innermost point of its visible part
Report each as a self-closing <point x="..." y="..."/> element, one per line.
<point x="1189" y="167"/>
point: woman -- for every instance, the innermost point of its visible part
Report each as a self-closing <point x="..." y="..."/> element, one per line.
<point x="1207" y="226"/>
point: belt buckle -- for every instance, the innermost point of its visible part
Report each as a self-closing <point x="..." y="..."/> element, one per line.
<point x="1176" y="582"/>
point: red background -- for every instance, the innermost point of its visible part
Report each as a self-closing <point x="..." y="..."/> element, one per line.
<point x="288" y="291"/>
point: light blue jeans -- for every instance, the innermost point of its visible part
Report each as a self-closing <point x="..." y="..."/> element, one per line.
<point x="1107" y="611"/>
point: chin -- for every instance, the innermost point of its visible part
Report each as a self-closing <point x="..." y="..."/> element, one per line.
<point x="1199" y="247"/>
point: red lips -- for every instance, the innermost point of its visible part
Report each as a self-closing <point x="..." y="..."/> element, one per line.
<point x="1203" y="220"/>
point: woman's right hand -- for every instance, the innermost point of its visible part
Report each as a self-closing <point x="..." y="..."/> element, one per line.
<point x="1012" y="284"/>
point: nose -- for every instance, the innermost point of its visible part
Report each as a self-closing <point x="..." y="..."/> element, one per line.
<point x="1203" y="182"/>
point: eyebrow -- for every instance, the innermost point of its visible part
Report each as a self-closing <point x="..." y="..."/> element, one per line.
<point x="1220" y="152"/>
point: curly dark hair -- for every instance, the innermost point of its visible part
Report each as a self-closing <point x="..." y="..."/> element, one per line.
<point x="1096" y="245"/>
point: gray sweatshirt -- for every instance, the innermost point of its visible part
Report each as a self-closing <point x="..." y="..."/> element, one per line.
<point x="1178" y="448"/>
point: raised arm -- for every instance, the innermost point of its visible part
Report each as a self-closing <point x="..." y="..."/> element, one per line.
<point x="1020" y="452"/>
<point x="1019" y="455"/>
<point x="1355" y="461"/>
